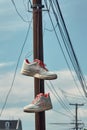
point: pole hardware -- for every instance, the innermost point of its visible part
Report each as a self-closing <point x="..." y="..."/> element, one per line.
<point x="37" y="6"/>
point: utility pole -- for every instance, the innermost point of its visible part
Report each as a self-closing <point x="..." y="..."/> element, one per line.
<point x="76" y="117"/>
<point x="38" y="54"/>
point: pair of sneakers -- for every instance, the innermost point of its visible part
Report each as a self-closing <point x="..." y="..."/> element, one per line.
<point x="37" y="69"/>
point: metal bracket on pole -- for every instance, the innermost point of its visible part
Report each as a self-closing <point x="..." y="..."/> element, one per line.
<point x="37" y="6"/>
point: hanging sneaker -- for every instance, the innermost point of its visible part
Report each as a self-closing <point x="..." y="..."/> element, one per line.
<point x="37" y="69"/>
<point x="41" y="103"/>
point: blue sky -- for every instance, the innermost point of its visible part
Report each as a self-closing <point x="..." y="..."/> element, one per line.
<point x="12" y="35"/>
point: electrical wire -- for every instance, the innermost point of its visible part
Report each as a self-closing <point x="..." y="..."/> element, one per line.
<point x="59" y="42"/>
<point x="68" y="46"/>
<point x="56" y="36"/>
<point x="15" y="70"/>
<point x="18" y="12"/>
<point x="50" y="30"/>
<point x="29" y="3"/>
<point x="71" y="51"/>
<point x="61" y="45"/>
<point x="66" y="94"/>
<point x="62" y="113"/>
<point x="59" y="99"/>
<point x="68" y="50"/>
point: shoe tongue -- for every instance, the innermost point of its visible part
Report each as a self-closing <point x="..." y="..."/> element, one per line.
<point x="41" y="64"/>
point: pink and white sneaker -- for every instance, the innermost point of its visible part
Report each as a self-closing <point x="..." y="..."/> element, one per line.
<point x="41" y="103"/>
<point x="37" y="69"/>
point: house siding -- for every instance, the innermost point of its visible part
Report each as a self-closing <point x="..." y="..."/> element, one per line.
<point x="10" y="125"/>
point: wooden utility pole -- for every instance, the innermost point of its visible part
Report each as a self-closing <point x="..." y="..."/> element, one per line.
<point x="38" y="54"/>
<point x="76" y="117"/>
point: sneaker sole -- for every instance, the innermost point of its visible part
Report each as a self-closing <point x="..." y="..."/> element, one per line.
<point x="28" y="73"/>
<point x="45" y="77"/>
<point x="37" y="110"/>
<point x="39" y="76"/>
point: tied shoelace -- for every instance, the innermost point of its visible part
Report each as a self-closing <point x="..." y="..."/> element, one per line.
<point x="39" y="95"/>
<point x="41" y="64"/>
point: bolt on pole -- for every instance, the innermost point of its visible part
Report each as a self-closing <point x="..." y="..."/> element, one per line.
<point x="38" y="54"/>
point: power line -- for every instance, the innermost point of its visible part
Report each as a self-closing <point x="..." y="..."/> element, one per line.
<point x="59" y="99"/>
<point x="62" y="113"/>
<point x="59" y="41"/>
<point x="71" y="51"/>
<point x="67" y="43"/>
<point x="15" y="70"/>
<point x="56" y="36"/>
<point x="71" y="95"/>
<point x="18" y="12"/>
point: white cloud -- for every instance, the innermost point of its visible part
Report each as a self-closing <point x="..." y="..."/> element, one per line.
<point x="6" y="64"/>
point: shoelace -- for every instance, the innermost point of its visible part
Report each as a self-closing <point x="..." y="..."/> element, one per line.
<point x="41" y="63"/>
<point x="46" y="95"/>
<point x="37" y="97"/>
